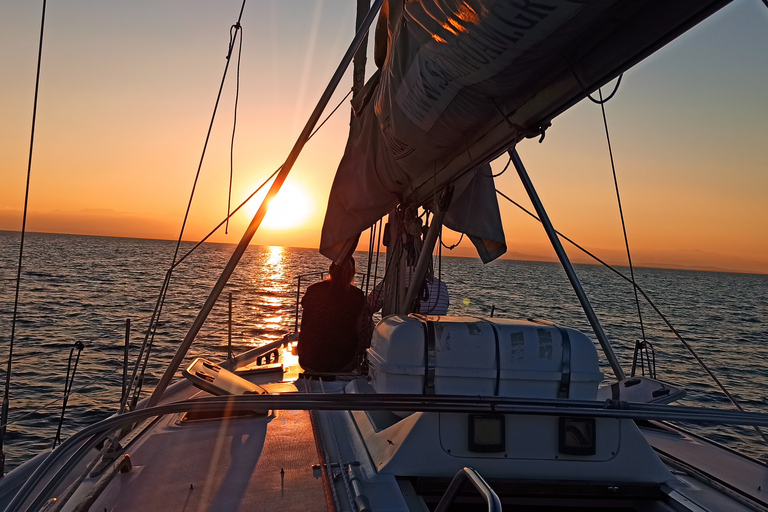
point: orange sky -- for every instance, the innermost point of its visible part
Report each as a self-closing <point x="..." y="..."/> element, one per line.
<point x="126" y="97"/>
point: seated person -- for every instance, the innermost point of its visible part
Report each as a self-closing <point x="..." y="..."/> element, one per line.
<point x="328" y="340"/>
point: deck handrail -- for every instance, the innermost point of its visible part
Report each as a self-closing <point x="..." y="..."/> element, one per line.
<point x="77" y="445"/>
<point x="467" y="473"/>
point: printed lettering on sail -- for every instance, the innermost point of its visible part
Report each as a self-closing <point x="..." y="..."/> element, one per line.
<point x="472" y="44"/>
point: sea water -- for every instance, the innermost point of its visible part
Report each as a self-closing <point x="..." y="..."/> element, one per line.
<point x="83" y="289"/>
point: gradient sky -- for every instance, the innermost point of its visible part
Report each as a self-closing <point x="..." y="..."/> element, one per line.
<point x="127" y="90"/>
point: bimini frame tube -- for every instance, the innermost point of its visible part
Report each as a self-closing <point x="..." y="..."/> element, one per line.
<point x="256" y="222"/>
<point x="566" y="263"/>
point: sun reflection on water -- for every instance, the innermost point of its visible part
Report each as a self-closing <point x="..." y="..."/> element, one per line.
<point x="273" y="311"/>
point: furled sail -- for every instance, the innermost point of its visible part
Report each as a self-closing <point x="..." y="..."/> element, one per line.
<point x="464" y="80"/>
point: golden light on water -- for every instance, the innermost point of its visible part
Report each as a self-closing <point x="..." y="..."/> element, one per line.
<point x="275" y="258"/>
<point x="273" y="317"/>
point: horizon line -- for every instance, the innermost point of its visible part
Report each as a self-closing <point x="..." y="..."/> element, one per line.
<point x="508" y="256"/>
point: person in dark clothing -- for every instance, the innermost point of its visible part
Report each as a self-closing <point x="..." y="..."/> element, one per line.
<point x="329" y="339"/>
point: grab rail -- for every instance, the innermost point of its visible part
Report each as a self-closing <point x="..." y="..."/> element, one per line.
<point x="79" y="444"/>
<point x="467" y="473"/>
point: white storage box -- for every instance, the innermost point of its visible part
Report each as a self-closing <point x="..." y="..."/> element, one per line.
<point x="488" y="357"/>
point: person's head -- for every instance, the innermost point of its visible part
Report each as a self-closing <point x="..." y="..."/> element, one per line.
<point x="342" y="275"/>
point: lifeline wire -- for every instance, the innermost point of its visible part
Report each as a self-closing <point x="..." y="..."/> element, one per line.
<point x="650" y="303"/>
<point x="6" y="392"/>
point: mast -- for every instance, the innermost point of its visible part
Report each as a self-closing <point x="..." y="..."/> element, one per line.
<point x="361" y="56"/>
<point x="426" y="251"/>
<point x="566" y="263"/>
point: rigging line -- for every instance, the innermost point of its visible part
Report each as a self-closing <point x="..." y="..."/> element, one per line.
<point x="618" y="199"/>
<point x="145" y="349"/>
<point x="259" y="216"/>
<point x="67" y="387"/>
<point x="149" y="338"/>
<point x="205" y="145"/>
<point x="452" y="247"/>
<point x="391" y="266"/>
<point x="161" y="298"/>
<point x="38" y="354"/>
<point x="506" y="166"/>
<point x="602" y="101"/>
<point x="218" y="226"/>
<point x="86" y="344"/>
<point x="650" y="303"/>
<point x="140" y="382"/>
<point x="232" y="36"/>
<point x="329" y="115"/>
<point x="6" y="392"/>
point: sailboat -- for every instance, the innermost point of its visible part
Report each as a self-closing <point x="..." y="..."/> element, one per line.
<point x="444" y="412"/>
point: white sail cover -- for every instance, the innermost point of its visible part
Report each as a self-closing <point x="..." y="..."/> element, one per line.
<point x="463" y="80"/>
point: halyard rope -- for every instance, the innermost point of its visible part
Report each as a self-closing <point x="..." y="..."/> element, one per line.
<point x="602" y="103"/>
<point x="234" y="29"/>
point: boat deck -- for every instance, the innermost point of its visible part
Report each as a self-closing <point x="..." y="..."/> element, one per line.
<point x="711" y="470"/>
<point x="209" y="465"/>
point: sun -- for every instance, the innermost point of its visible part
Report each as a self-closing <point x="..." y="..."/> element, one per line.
<point x="289" y="209"/>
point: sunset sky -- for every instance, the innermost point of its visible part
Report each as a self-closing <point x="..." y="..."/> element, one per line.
<point x="128" y="87"/>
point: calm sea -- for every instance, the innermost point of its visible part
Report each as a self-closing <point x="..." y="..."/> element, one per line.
<point x="82" y="288"/>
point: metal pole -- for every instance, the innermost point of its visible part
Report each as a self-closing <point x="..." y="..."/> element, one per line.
<point x="123" y="397"/>
<point x="256" y="222"/>
<point x="467" y="473"/>
<point x="421" y="266"/>
<point x="230" y="355"/>
<point x="566" y="263"/>
<point x="298" y="297"/>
